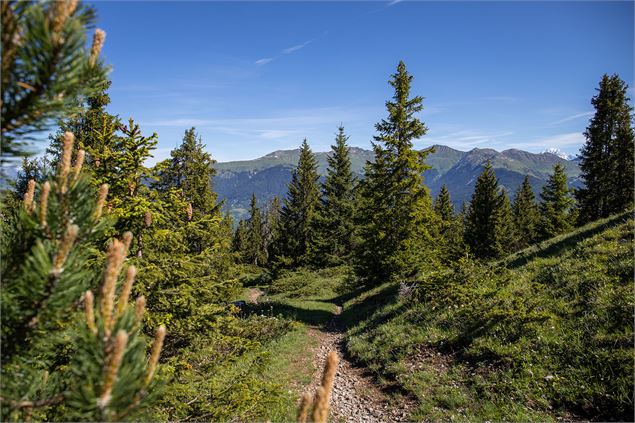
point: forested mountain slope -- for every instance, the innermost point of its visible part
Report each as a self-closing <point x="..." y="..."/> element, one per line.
<point x="268" y="176"/>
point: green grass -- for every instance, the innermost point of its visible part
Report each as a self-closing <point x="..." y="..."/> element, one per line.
<point x="549" y="337"/>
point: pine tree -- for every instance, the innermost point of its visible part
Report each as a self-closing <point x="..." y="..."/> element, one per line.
<point x="396" y="218"/>
<point x="256" y="252"/>
<point x="46" y="67"/>
<point x="526" y="215"/>
<point x="607" y="156"/>
<point x="556" y="205"/>
<point x="298" y="213"/>
<point x="480" y="227"/>
<point x="272" y="233"/>
<point x="505" y="231"/>
<point x="58" y="365"/>
<point x="191" y="170"/>
<point x="333" y="241"/>
<point x="443" y="205"/>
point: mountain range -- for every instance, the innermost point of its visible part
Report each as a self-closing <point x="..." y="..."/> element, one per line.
<point x="268" y="176"/>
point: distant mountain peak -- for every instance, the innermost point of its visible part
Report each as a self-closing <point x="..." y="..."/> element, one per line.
<point x="557" y="152"/>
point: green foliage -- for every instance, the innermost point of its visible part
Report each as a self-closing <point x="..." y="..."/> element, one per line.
<point x="547" y="338"/>
<point x="257" y="252"/>
<point x="46" y="67"/>
<point x="607" y="156"/>
<point x="556" y="205"/>
<point x="526" y="215"/>
<point x="443" y="205"/>
<point x="299" y="211"/>
<point x="505" y="229"/>
<point x="58" y="365"/>
<point x="396" y="220"/>
<point x="481" y="219"/>
<point x="334" y="227"/>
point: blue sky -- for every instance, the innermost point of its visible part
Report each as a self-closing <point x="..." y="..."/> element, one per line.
<point x="254" y="77"/>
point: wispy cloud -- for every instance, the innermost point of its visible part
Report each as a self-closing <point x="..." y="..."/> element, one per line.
<point x="264" y="61"/>
<point x="288" y="50"/>
<point x="572" y="117"/>
<point x="394" y="2"/>
<point x="296" y="48"/>
<point x="564" y="141"/>
<point x="466" y="139"/>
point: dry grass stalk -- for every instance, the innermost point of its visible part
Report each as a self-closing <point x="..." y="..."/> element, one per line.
<point x="305" y="405"/>
<point x="112" y="369"/>
<point x="101" y="200"/>
<point x="320" y="403"/>
<point x="28" y="195"/>
<point x="65" y="160"/>
<point x="44" y="202"/>
<point x="154" y="354"/>
<point x="98" y="43"/>
<point x="89" y="308"/>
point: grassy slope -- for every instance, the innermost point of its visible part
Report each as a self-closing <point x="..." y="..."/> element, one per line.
<point x="549" y="336"/>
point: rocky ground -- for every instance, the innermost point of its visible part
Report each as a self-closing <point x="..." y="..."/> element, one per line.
<point x="356" y="397"/>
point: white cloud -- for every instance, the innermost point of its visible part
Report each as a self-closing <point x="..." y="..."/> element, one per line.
<point x="394" y="2"/>
<point x="264" y="61"/>
<point x="562" y="141"/>
<point x="296" y="48"/>
<point x="572" y="117"/>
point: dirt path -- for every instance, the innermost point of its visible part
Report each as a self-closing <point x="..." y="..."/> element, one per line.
<point x="356" y="398"/>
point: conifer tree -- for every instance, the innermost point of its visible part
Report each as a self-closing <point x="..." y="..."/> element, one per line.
<point x="272" y="229"/>
<point x="443" y="205"/>
<point x="481" y="219"/>
<point x="505" y="231"/>
<point x="397" y="221"/>
<point x="298" y="213"/>
<point x="333" y="241"/>
<point x="607" y="156"/>
<point x="556" y="205"/>
<point x="58" y="365"/>
<point x="46" y="68"/>
<point x="191" y="170"/>
<point x="240" y="242"/>
<point x="256" y="252"/>
<point x="526" y="215"/>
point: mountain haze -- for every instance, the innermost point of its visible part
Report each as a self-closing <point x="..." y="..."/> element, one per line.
<point x="269" y="175"/>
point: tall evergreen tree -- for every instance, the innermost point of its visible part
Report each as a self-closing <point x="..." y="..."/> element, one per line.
<point x="191" y="170"/>
<point x="443" y="205"/>
<point x="526" y="215"/>
<point x="397" y="221"/>
<point x="480" y="228"/>
<point x="607" y="156"/>
<point x="557" y="205"/>
<point x="256" y="252"/>
<point x="272" y="229"/>
<point x="504" y="230"/>
<point x="333" y="240"/>
<point x="299" y="210"/>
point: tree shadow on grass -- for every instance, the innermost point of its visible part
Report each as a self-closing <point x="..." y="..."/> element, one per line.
<point x="365" y="308"/>
<point x="275" y="308"/>
<point x="554" y="247"/>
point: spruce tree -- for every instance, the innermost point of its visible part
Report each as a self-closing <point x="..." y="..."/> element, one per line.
<point x="607" y="156"/>
<point x="191" y="170"/>
<point x="481" y="219"/>
<point x="505" y="231"/>
<point x="556" y="205"/>
<point x="46" y="67"/>
<point x="443" y="205"/>
<point x="272" y="229"/>
<point x="526" y="215"/>
<point x="333" y="241"/>
<point x="396" y="218"/>
<point x="298" y="213"/>
<point x="256" y="252"/>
